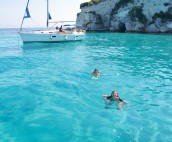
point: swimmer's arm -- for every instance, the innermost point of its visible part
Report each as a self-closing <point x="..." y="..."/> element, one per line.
<point x="120" y="100"/>
<point x="99" y="73"/>
<point x="124" y="101"/>
<point x="104" y="96"/>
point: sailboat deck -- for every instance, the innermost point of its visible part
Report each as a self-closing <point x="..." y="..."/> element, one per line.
<point x="50" y="32"/>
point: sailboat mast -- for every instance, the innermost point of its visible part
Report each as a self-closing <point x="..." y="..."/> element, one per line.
<point x="47" y="12"/>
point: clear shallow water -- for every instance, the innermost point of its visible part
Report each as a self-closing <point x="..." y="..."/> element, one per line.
<point x="47" y="94"/>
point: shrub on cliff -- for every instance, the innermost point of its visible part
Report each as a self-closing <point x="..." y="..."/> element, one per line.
<point x="98" y="17"/>
<point x="120" y="4"/>
<point x="90" y="3"/>
<point x="163" y="15"/>
<point x="166" y="4"/>
<point x="78" y="14"/>
<point x="136" y="13"/>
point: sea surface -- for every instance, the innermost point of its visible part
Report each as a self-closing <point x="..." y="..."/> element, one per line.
<point x="47" y="93"/>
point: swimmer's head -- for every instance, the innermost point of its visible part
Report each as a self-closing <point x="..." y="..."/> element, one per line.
<point x="96" y="71"/>
<point x="114" y="94"/>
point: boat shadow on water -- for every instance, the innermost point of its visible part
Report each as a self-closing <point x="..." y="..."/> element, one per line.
<point x="60" y="46"/>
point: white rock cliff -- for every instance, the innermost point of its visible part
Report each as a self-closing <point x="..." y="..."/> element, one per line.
<point x="127" y="16"/>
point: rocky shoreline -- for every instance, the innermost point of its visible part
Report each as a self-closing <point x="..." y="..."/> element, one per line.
<point x="126" y="16"/>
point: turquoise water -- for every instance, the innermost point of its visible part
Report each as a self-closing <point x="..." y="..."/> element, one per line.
<point x="47" y="93"/>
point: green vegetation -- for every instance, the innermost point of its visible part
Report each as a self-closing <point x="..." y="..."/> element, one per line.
<point x="120" y="4"/>
<point x="166" y="4"/>
<point x="87" y="24"/>
<point x="136" y="13"/>
<point x="150" y="23"/>
<point x="98" y="17"/>
<point x="90" y="3"/>
<point x="78" y="14"/>
<point x="163" y="15"/>
<point x="92" y="12"/>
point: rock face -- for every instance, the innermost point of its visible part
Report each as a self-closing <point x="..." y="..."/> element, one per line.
<point x="127" y="16"/>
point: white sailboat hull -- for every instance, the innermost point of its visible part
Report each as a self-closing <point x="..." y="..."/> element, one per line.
<point x="50" y="36"/>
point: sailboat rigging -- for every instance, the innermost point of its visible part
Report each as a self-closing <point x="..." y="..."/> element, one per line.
<point x="67" y="32"/>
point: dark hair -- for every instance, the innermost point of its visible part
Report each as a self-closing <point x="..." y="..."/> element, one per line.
<point x="109" y="97"/>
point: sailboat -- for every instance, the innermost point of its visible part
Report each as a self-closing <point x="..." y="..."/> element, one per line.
<point x="67" y="32"/>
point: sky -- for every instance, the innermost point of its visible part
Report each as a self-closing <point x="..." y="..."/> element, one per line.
<point x="12" y="12"/>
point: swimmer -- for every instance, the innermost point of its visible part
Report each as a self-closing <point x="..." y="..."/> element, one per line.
<point x="95" y="74"/>
<point x="109" y="100"/>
